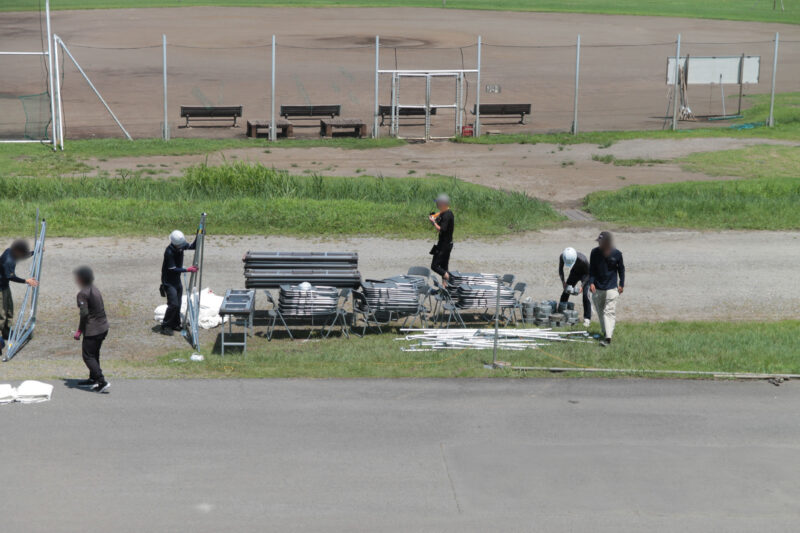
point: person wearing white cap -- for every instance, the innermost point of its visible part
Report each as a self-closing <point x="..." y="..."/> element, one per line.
<point x="578" y="267"/>
<point x="171" y="287"/>
<point x="444" y="222"/>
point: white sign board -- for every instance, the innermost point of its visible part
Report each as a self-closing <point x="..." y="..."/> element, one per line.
<point x="713" y="70"/>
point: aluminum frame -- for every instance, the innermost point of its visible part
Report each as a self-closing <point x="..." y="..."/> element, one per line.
<point x="25" y="322"/>
<point x="191" y="320"/>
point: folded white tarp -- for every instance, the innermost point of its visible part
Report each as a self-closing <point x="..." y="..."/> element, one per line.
<point x="27" y="392"/>
<point x="209" y="309"/>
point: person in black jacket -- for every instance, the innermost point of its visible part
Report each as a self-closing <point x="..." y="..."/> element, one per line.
<point x="8" y="263"/>
<point x="578" y="267"/>
<point x="444" y="222"/>
<point x="93" y="327"/>
<point x="607" y="282"/>
<point x="171" y="270"/>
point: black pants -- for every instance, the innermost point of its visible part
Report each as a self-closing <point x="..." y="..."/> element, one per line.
<point x="172" y="318"/>
<point x="91" y="355"/>
<point x="441" y="258"/>
<point x="587" y="302"/>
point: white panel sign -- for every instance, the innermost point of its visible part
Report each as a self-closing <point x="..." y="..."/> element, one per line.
<point x="713" y="70"/>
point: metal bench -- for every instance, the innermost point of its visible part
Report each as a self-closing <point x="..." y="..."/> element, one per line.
<point x="504" y="110"/>
<point x="211" y="113"/>
<point x="327" y="125"/>
<point x="310" y="111"/>
<point x="386" y="111"/>
<point x="285" y="128"/>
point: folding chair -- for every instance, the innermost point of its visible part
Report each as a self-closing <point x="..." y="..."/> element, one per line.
<point x="275" y="315"/>
<point x="419" y="271"/>
<point x="422" y="310"/>
<point x="341" y="314"/>
<point x="508" y="279"/>
<point x="445" y="304"/>
<point x="361" y="309"/>
<point x="519" y="290"/>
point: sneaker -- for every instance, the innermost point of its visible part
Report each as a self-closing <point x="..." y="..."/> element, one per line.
<point x="86" y="383"/>
<point x="605" y="342"/>
<point x="169" y="332"/>
<point x="102" y="387"/>
<point x="587" y="322"/>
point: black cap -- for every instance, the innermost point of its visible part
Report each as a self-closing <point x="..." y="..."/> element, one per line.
<point x="605" y="236"/>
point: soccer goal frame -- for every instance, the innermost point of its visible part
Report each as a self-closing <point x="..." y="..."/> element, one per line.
<point x="48" y="53"/>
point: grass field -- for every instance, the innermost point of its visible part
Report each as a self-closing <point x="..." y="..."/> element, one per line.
<point x="256" y="200"/>
<point x="703" y="346"/>
<point x="759" y="10"/>
<point x="757" y="204"/>
<point x="765" y="161"/>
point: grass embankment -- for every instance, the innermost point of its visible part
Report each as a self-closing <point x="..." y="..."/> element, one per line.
<point x="39" y="160"/>
<point x="751" y="125"/>
<point x="243" y="199"/>
<point x="720" y="9"/>
<point x="767" y="200"/>
<point x="699" y="346"/>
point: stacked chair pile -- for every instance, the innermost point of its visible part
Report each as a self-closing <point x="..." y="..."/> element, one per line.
<point x="295" y="301"/>
<point x="270" y="270"/>
<point x="479" y="291"/>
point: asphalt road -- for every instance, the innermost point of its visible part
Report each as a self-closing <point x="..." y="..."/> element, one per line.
<point x="405" y="455"/>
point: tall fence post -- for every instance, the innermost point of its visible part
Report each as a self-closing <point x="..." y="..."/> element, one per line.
<point x="272" y="134"/>
<point x="50" y="70"/>
<point x="165" y="131"/>
<point x="59" y="100"/>
<point x="477" y="131"/>
<point x="577" y="83"/>
<point x="771" y="120"/>
<point x="676" y="85"/>
<point x="377" y="81"/>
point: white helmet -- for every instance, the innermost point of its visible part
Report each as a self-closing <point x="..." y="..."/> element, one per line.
<point x="570" y="256"/>
<point x="177" y="238"/>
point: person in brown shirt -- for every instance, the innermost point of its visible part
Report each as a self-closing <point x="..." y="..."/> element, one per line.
<point x="93" y="327"/>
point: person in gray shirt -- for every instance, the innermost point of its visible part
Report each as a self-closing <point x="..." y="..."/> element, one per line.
<point x="93" y="327"/>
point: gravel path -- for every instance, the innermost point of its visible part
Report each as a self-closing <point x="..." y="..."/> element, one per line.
<point x="675" y="275"/>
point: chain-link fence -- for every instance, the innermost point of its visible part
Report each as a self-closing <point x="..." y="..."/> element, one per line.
<point x="621" y="85"/>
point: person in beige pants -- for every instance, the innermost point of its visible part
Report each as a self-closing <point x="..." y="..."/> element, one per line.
<point x="606" y="282"/>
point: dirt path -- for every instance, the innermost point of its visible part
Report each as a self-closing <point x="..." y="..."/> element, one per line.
<point x="676" y="275"/>
<point x="562" y="175"/>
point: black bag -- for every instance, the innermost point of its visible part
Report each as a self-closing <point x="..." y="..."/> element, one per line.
<point x="434" y="250"/>
<point x="162" y="290"/>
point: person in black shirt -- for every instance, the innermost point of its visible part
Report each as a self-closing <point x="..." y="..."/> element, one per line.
<point x="93" y="327"/>
<point x="443" y="221"/>
<point x="578" y="273"/>
<point x="8" y="263"/>
<point x="171" y="270"/>
<point x="607" y="282"/>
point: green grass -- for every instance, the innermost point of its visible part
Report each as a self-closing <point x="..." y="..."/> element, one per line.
<point x="755" y="204"/>
<point x="635" y="162"/>
<point x="751" y="125"/>
<point x="763" y="161"/>
<point x="39" y="160"/>
<point x="719" y="9"/>
<point x="699" y="346"/>
<point x="243" y="199"/>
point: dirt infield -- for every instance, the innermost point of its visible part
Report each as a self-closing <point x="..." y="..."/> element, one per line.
<point x="326" y="56"/>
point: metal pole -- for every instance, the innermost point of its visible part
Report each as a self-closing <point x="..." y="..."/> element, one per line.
<point x="676" y="85"/>
<point x="165" y="133"/>
<point x="53" y="118"/>
<point x="577" y="80"/>
<point x="59" y="102"/>
<point x="377" y="81"/>
<point x="91" y="85"/>
<point x="477" y="128"/>
<point x="771" y="121"/>
<point x="496" y="324"/>
<point x="272" y="134"/>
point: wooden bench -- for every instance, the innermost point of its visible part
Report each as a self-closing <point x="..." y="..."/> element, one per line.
<point x="386" y="110"/>
<point x="327" y="125"/>
<point x="310" y="111"/>
<point x="285" y="128"/>
<point x="504" y="110"/>
<point x="211" y="113"/>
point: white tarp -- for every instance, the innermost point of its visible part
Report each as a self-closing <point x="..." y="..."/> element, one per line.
<point x="28" y="392"/>
<point x="710" y="70"/>
<point x="209" y="309"/>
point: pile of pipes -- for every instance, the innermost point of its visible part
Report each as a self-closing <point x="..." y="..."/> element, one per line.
<point x="270" y="270"/>
<point x="424" y="340"/>
<point x="399" y="294"/>
<point x="550" y="313"/>
<point x="478" y="291"/>
<point x="307" y="300"/>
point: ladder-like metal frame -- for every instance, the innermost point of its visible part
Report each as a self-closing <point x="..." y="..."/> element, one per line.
<point x="191" y="321"/>
<point x="26" y="319"/>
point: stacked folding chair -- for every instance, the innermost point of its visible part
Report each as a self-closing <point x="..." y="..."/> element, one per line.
<point x="270" y="270"/>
